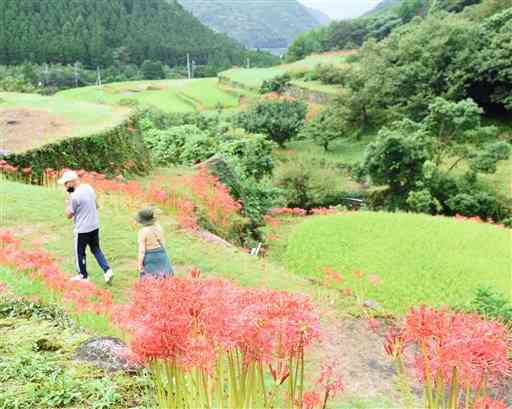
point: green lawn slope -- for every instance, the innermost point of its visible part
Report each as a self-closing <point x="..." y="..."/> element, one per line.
<point x="36" y="213"/>
<point x="421" y="259"/>
<point x="37" y="120"/>
<point x="167" y="95"/>
<point x="252" y="78"/>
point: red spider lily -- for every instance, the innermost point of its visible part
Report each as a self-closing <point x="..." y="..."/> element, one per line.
<point x="216" y="323"/>
<point x="348" y="292"/>
<point x="3" y="288"/>
<point x="455" y="351"/>
<point x="27" y="171"/>
<point x="375" y="279"/>
<point x="312" y="400"/>
<point x="39" y="264"/>
<point x="195" y="273"/>
<point x="489" y="403"/>
<point x="281" y="374"/>
<point x="374" y="324"/>
<point x="332" y="276"/>
<point x="322" y="211"/>
<point x="358" y="274"/>
<point x="395" y="343"/>
<point x="288" y="211"/>
<point x="331" y="382"/>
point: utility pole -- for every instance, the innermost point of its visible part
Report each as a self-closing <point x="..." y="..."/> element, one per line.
<point x="98" y="76"/>
<point x="46" y="75"/>
<point x="188" y="66"/>
<point x="76" y="74"/>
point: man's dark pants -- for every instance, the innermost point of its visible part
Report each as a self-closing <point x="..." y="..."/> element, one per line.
<point x="91" y="239"/>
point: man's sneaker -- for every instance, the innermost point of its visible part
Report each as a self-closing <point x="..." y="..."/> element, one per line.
<point x="108" y="276"/>
<point x="78" y="277"/>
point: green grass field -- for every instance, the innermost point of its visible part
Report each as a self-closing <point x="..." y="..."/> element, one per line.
<point x="36" y="120"/>
<point x="21" y="211"/>
<point x="422" y="259"/>
<point x="254" y="77"/>
<point x="167" y="95"/>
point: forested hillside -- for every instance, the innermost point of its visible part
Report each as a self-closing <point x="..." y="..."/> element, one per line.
<point x="91" y="31"/>
<point x="384" y="19"/>
<point x="255" y="23"/>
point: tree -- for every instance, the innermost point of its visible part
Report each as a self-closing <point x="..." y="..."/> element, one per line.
<point x="152" y="70"/>
<point x="397" y="159"/>
<point x="330" y="124"/>
<point x="459" y="136"/>
<point x="280" y="120"/>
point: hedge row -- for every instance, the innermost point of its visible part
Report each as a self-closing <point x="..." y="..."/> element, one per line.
<point x="114" y="151"/>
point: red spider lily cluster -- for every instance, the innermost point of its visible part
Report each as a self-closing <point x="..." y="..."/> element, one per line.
<point x="456" y="356"/>
<point x="285" y="211"/>
<point x="39" y="264"/>
<point x="298" y="212"/>
<point x="333" y="278"/>
<point x="476" y="219"/>
<point x="198" y="196"/>
<point x="328" y="385"/>
<point x="490" y="403"/>
<point x="8" y="169"/>
<point x="225" y="337"/>
<point x="192" y="199"/>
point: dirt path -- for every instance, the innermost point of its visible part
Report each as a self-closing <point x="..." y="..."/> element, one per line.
<point x="23" y="128"/>
<point x="365" y="368"/>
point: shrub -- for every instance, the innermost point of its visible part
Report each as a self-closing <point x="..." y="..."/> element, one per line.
<point x="257" y="197"/>
<point x="330" y="74"/>
<point x="113" y="151"/>
<point x="305" y="186"/>
<point x="492" y="304"/>
<point x="422" y="201"/>
<point x="251" y="153"/>
<point x="177" y="145"/>
<point x="279" y="120"/>
<point x="277" y="84"/>
<point x="197" y="148"/>
<point x="128" y="102"/>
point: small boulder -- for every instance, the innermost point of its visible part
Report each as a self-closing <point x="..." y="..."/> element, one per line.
<point x="371" y="304"/>
<point x="108" y="353"/>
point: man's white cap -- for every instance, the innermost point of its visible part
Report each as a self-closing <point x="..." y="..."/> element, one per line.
<point x="68" y="176"/>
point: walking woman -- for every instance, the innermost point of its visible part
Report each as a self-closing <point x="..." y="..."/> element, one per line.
<point x="153" y="259"/>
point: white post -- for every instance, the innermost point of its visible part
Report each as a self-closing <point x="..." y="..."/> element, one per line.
<point x="76" y="74"/>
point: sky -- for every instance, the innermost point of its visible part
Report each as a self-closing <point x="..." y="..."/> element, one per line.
<point x="341" y="9"/>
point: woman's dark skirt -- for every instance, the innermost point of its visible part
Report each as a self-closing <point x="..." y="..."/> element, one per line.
<point x="156" y="264"/>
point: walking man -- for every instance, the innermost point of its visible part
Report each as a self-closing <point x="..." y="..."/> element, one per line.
<point x="82" y="207"/>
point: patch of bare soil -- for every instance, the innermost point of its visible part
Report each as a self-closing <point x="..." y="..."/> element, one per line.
<point x="366" y="370"/>
<point x="23" y="128"/>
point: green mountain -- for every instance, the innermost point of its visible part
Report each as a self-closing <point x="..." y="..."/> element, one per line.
<point x="320" y="16"/>
<point x="93" y="31"/>
<point x="255" y="23"/>
<point x="382" y="6"/>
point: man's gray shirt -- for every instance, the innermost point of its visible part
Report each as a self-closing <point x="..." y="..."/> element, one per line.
<point x="83" y="206"/>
